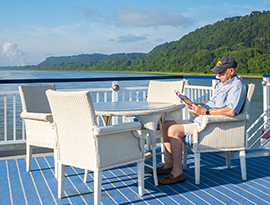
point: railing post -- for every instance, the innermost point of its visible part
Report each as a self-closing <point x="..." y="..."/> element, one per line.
<point x="14" y="118"/>
<point x="265" y="85"/>
<point x="214" y="83"/>
<point x="115" y="89"/>
<point x="5" y="118"/>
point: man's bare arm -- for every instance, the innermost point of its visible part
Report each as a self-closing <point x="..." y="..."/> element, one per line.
<point x="199" y="109"/>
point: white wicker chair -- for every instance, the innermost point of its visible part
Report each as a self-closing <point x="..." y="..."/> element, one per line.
<point x="37" y="117"/>
<point x="221" y="133"/>
<point x="163" y="91"/>
<point x="83" y="144"/>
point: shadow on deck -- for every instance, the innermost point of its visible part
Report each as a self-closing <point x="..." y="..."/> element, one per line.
<point x="119" y="185"/>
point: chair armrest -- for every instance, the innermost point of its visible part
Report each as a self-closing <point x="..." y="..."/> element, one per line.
<point x="220" y="118"/>
<point x="47" y="117"/>
<point x="193" y="114"/>
<point x="132" y="126"/>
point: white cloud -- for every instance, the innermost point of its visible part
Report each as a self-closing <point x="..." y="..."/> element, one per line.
<point x="11" y="51"/>
<point x="134" y="16"/>
<point x="130" y="38"/>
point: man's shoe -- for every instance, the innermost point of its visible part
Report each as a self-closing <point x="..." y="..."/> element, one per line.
<point x="170" y="179"/>
<point x="162" y="171"/>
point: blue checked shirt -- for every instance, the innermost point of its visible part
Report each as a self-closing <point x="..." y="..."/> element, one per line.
<point x="231" y="93"/>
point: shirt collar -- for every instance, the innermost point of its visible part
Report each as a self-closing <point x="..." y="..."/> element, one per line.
<point x="230" y="81"/>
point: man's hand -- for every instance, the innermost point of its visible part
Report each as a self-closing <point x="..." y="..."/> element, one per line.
<point x="189" y="107"/>
<point x="199" y="109"/>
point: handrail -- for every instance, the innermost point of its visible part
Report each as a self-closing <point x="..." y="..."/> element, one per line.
<point x="266" y="75"/>
<point x="61" y="80"/>
<point x="257" y="130"/>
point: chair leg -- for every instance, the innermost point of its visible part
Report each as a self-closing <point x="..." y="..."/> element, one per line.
<point x="228" y="159"/>
<point x="140" y="172"/>
<point x="163" y="155"/>
<point x="85" y="175"/>
<point x="197" y="167"/>
<point x="55" y="164"/>
<point x="154" y="158"/>
<point x="184" y="157"/>
<point x="242" y="156"/>
<point x="29" y="150"/>
<point x="61" y="180"/>
<point x="147" y="142"/>
<point x="97" y="187"/>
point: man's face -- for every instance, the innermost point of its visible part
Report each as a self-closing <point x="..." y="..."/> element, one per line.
<point x="226" y="74"/>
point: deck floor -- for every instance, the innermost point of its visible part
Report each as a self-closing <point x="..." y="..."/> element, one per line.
<point x="119" y="185"/>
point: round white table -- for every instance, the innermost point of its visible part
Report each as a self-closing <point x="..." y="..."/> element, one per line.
<point x="149" y="113"/>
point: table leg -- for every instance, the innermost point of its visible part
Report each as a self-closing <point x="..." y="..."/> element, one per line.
<point x="150" y="123"/>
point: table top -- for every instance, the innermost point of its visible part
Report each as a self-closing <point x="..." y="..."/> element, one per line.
<point x="129" y="108"/>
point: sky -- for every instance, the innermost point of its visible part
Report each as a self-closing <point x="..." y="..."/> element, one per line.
<point x="32" y="30"/>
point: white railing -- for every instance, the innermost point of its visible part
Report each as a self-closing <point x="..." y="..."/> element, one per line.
<point x="262" y="130"/>
<point x="265" y="132"/>
<point x="266" y="99"/>
<point x="12" y="129"/>
<point x="12" y="126"/>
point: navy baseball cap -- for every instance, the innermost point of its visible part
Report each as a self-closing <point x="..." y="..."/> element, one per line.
<point x="223" y="63"/>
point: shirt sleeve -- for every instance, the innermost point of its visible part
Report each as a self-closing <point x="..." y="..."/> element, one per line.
<point x="236" y="97"/>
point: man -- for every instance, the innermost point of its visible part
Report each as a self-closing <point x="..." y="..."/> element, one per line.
<point x="228" y="99"/>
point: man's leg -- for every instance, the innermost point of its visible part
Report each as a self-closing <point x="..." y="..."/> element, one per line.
<point x="175" y="135"/>
<point x="169" y="160"/>
<point x="170" y="129"/>
<point x="173" y="132"/>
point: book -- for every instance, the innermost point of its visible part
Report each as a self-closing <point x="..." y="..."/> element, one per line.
<point x="183" y="97"/>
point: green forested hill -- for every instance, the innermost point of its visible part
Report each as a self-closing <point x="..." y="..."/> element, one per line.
<point x="86" y="58"/>
<point x="245" y="38"/>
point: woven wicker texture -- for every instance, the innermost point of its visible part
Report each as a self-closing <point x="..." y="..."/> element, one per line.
<point x="38" y="120"/>
<point x="163" y="91"/>
<point x="221" y="133"/>
<point x="37" y="115"/>
<point x="34" y="98"/>
<point x="82" y="143"/>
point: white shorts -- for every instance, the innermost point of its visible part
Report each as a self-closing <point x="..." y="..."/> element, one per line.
<point x="188" y="126"/>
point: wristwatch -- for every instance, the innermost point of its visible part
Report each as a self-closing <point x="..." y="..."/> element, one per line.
<point x="207" y="111"/>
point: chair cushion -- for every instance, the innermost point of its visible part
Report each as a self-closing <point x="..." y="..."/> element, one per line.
<point x="188" y="140"/>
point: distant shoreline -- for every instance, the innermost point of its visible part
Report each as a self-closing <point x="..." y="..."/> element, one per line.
<point x="159" y="73"/>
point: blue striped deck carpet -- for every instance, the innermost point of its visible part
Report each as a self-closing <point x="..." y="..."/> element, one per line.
<point x="119" y="185"/>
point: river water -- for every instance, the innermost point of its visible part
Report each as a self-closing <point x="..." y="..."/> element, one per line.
<point x="255" y="110"/>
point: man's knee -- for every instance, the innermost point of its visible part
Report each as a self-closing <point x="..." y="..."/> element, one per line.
<point x="176" y="131"/>
<point x="167" y="123"/>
